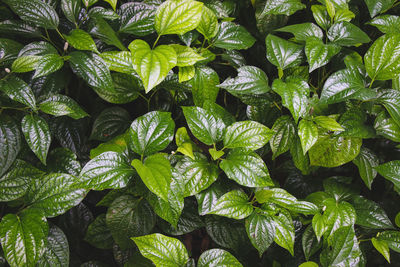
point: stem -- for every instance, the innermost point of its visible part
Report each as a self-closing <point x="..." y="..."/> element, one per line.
<point x="372" y="81"/>
<point x="59" y="33"/>
<point x="158" y="38"/>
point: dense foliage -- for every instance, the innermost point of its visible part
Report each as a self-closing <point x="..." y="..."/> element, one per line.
<point x="199" y="133"/>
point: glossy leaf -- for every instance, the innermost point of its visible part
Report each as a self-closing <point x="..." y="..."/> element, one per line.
<point x="260" y="228"/>
<point x="387" y="23"/>
<point x="208" y="25"/>
<point x="369" y="214"/>
<point x="108" y="170"/>
<point x="346" y="34"/>
<point x="37" y="135"/>
<point x="151" y="132"/>
<point x="303" y="31"/>
<point x="382" y="247"/>
<point x="10" y="141"/>
<point x="162" y="250"/>
<point x="204" y="85"/>
<point x="233" y="36"/>
<point x="283" y="54"/>
<point x="390" y="170"/>
<point x="81" y="40"/>
<point x="284" y="132"/>
<point x="318" y="54"/>
<point x="284" y="231"/>
<point x="71" y="9"/>
<point x="234" y="204"/>
<point x="376" y="7"/>
<point x="60" y="105"/>
<point x="57" y="249"/>
<point x="308" y="133"/>
<point x="23" y="237"/>
<point x="366" y="162"/>
<point x="16" y="89"/>
<point x="178" y="17"/>
<point x="247" y="134"/>
<point x="217" y="257"/>
<point x="152" y="65"/>
<point x="282" y="7"/>
<point x="137" y="18"/>
<point x="110" y="123"/>
<point x="246" y="168"/>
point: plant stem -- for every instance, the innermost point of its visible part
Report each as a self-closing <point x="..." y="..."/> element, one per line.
<point x="158" y="38"/>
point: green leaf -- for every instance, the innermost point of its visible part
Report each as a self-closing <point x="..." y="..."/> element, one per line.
<point x="278" y="196"/>
<point x="10" y="142"/>
<point x="331" y="151"/>
<point x="198" y="173"/>
<point x="382" y="247"/>
<point x="310" y="243"/>
<point x="366" y="162"/>
<point x="347" y="34"/>
<point x="217" y="257"/>
<point x="108" y="170"/>
<point x="81" y="40"/>
<point x="151" y="132"/>
<point x="376" y="7"/>
<point x="137" y="18"/>
<point x="37" y="135"/>
<point x="318" y="54"/>
<point x="309" y="264"/>
<point x="92" y="69"/>
<point x="328" y="123"/>
<point x="387" y="127"/>
<point x="178" y="17"/>
<point x="390" y="99"/>
<point x="36" y="12"/>
<point x="48" y="64"/>
<point x="282" y="7"/>
<point x="303" y="31"/>
<point x="57" y="249"/>
<point x="186" y="56"/>
<point x="38" y="49"/>
<point x="250" y="80"/>
<point x="71" y="9"/>
<point x="337" y="215"/>
<point x="260" y="228"/>
<point x="23" y="237"/>
<point x="308" y="133"/>
<point x="246" y="168"/>
<point x="300" y="160"/>
<point x="110" y="123"/>
<point x="16" y="89"/>
<point x="387" y="23"/>
<point x="343" y="249"/>
<point x="204" y="85"/>
<point x="206" y="199"/>
<point x="208" y="25"/>
<point x="10" y="50"/>
<point x="283" y="54"/>
<point x="369" y="214"/>
<point x="342" y="85"/>
<point x="152" y="65"/>
<point x="206" y="127"/>
<point x="25" y="63"/>
<point x="294" y="93"/>
<point x="63" y="160"/>
<point x="15" y="183"/>
<point x="60" y="105"/>
<point x="320" y="15"/>
<point x="89" y="3"/>
<point x="113" y="3"/>
<point x="234" y="204"/>
<point x="247" y="134"/>
<point x="55" y="193"/>
<point x="284" y="231"/>
<point x="129" y="217"/>
<point x="155" y="173"/>
<point x="98" y="234"/>
<point x="233" y="36"/>
<point x="392" y="238"/>
<point x="319" y="225"/>
<point x="390" y="170"/>
<point x="162" y="250"/>
<point x="382" y="60"/>
<point x="284" y="131"/>
<point x="186" y="73"/>
<point x="120" y="61"/>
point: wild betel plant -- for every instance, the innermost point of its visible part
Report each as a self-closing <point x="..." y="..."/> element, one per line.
<point x="199" y="133"/>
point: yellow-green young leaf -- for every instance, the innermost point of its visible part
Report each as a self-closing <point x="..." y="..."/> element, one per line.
<point x="382" y="60"/>
<point x="184" y="143"/>
<point x="303" y="31"/>
<point x="81" y="40"/>
<point x="60" y="105"/>
<point x="308" y="133"/>
<point x="178" y="16"/>
<point x="25" y="64"/>
<point x="23" y="237"/>
<point x="186" y="56"/>
<point x="216" y="154"/>
<point x="152" y="65"/>
<point x="218" y="257"/>
<point x="48" y="64"/>
<point x="328" y="123"/>
<point x="155" y="173"/>
<point x="208" y="25"/>
<point x="37" y="135"/>
<point x="186" y="73"/>
<point x="308" y="264"/>
<point x="36" y="12"/>
<point x="113" y="3"/>
<point x="330" y="8"/>
<point x="162" y="250"/>
<point x="382" y="247"/>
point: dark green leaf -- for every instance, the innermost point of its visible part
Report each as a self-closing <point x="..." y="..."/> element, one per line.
<point x="129" y="217"/>
<point x="37" y="135"/>
<point x="282" y="7"/>
<point x="260" y="229"/>
<point x="392" y="238"/>
<point x="57" y="249"/>
<point x="110" y="123"/>
<point x="376" y="7"/>
<point x="284" y="131"/>
<point x="303" y="31"/>
<point x="16" y="89"/>
<point x="60" y="105"/>
<point x="390" y="170"/>
<point x="233" y="36"/>
<point x="284" y="231"/>
<point x="71" y="9"/>
<point x="137" y="18"/>
<point x="247" y="134"/>
<point x="369" y="214"/>
<point x="387" y="23"/>
<point x="10" y="142"/>
<point x="283" y="54"/>
<point x="103" y="31"/>
<point x="234" y="204"/>
<point x="347" y="34"/>
<point x="366" y="162"/>
<point x="318" y="54"/>
<point x="204" y="85"/>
